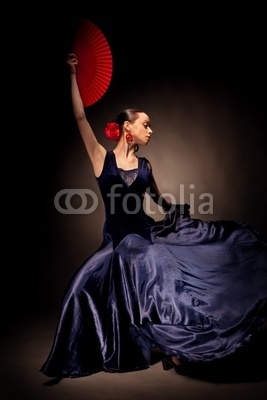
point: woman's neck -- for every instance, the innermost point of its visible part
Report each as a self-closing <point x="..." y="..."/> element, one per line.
<point x="125" y="151"/>
<point x="125" y="157"/>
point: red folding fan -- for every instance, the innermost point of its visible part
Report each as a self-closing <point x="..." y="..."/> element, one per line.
<point x="95" y="66"/>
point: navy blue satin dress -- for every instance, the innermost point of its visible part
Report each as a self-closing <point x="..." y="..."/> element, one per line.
<point x="191" y="288"/>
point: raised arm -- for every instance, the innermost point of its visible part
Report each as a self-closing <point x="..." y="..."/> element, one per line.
<point x="94" y="149"/>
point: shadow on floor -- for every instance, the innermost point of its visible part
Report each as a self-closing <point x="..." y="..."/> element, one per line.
<point x="246" y="365"/>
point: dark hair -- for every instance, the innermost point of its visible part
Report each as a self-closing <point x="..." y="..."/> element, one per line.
<point x="130" y="114"/>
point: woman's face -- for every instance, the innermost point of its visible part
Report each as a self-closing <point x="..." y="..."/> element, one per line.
<point x="141" y="129"/>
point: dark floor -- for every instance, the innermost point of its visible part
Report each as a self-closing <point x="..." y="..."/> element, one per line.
<point x="25" y="345"/>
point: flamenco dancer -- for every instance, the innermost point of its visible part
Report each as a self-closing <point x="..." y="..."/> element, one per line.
<point x="194" y="290"/>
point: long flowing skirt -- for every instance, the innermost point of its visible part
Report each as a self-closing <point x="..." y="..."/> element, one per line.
<point x="197" y="290"/>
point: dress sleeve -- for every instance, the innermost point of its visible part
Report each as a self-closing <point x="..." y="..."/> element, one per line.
<point x="154" y="192"/>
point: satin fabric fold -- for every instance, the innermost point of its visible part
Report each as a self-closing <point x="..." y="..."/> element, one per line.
<point x="192" y="288"/>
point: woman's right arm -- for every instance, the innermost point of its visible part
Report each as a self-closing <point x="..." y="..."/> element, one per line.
<point x="94" y="149"/>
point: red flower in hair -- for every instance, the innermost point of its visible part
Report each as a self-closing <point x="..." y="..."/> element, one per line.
<point x="112" y="131"/>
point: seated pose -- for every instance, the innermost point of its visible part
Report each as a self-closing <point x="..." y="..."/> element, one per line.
<point x="194" y="290"/>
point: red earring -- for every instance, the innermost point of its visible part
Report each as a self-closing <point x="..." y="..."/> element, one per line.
<point x="129" y="137"/>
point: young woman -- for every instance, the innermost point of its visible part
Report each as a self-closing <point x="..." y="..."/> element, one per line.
<point x="194" y="290"/>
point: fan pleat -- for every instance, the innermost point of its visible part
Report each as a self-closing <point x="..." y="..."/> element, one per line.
<point x="95" y="66"/>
